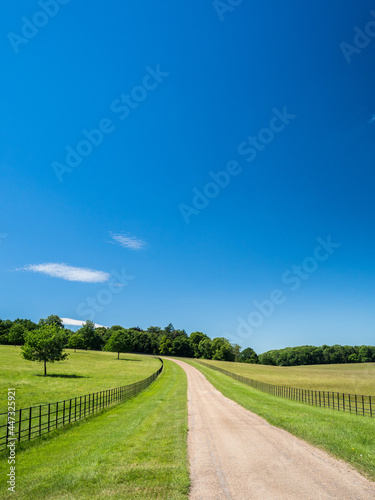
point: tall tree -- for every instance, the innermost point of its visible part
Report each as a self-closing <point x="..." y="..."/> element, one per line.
<point x="119" y="341"/>
<point x="46" y="345"/>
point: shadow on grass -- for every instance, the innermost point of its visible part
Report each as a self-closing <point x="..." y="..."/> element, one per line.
<point x="127" y="359"/>
<point x="61" y="375"/>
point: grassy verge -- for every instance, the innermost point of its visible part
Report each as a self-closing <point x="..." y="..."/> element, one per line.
<point x="353" y="378"/>
<point x="84" y="372"/>
<point x="136" y="450"/>
<point x="347" y="437"/>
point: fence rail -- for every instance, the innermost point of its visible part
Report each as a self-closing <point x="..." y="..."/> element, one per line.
<point x="33" y="422"/>
<point x="350" y="403"/>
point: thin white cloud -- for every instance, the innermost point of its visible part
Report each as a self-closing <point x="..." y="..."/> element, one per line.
<point x="68" y="273"/>
<point x="77" y="322"/>
<point x="372" y="119"/>
<point x="127" y="241"/>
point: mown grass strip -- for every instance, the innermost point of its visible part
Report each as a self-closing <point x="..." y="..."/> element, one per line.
<point x="345" y="436"/>
<point x="135" y="450"/>
<point x="41" y="420"/>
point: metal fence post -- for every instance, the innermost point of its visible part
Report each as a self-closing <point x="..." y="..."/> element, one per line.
<point x="40" y="420"/>
<point x="19" y="426"/>
<point x="30" y="413"/>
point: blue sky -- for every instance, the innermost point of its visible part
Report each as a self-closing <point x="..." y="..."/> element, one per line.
<point x="141" y="228"/>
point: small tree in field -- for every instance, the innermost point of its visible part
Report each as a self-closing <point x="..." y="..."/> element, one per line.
<point x="46" y="344"/>
<point x="119" y="341"/>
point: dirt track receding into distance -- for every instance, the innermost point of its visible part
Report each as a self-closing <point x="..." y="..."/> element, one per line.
<point x="235" y="454"/>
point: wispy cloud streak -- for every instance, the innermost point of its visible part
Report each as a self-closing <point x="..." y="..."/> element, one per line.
<point x="68" y="273"/>
<point x="127" y="240"/>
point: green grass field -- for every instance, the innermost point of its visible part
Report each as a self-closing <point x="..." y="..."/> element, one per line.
<point x="356" y="378"/>
<point x="84" y="372"/>
<point x="347" y="437"/>
<point x="136" y="450"/>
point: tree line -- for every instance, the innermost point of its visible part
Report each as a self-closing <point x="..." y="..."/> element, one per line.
<point x="311" y="355"/>
<point x="154" y="340"/>
<point x="170" y="341"/>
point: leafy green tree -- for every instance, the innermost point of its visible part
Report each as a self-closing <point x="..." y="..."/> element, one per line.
<point x="141" y="341"/>
<point x="165" y="346"/>
<point x="46" y="344"/>
<point x="248" y="355"/>
<point x="205" y="348"/>
<point x="353" y="358"/>
<point x="267" y="358"/>
<point x="222" y="349"/>
<point x="119" y="341"/>
<point x="91" y="340"/>
<point x="75" y="341"/>
<point x="52" y="320"/>
<point x="154" y="333"/>
<point x="195" y="338"/>
<point x="364" y="354"/>
<point x="104" y="334"/>
<point x="17" y="334"/>
<point x="114" y="328"/>
<point x="169" y="329"/>
<point x="26" y="323"/>
<point x="5" y="326"/>
<point x="181" y="346"/>
<point x="155" y="330"/>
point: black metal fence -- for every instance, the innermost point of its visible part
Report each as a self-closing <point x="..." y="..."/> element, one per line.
<point x="33" y="422"/>
<point x="350" y="403"/>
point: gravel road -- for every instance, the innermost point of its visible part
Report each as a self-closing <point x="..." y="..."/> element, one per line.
<point x="234" y="454"/>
